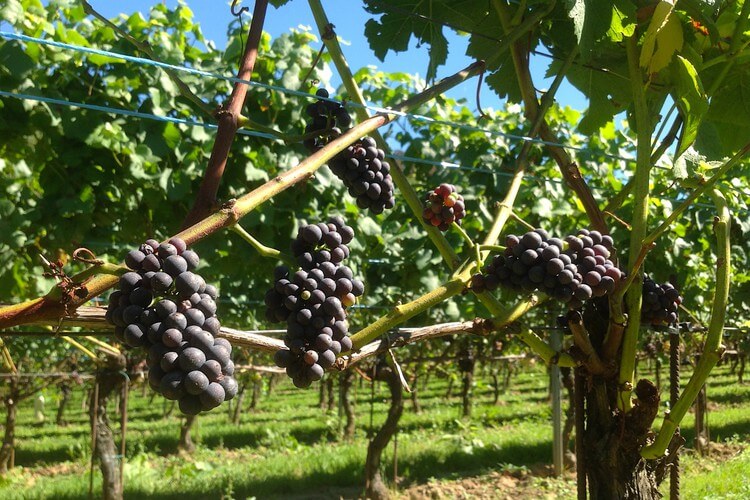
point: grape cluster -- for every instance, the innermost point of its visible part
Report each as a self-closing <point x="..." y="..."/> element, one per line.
<point x="165" y="307"/>
<point x="327" y="117"/>
<point x="366" y="175"/>
<point x="591" y="251"/>
<point x="313" y="301"/>
<point x="660" y="302"/>
<point x="444" y="206"/>
<point x="572" y="270"/>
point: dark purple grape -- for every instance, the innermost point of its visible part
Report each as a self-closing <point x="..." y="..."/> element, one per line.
<point x="174" y="265"/>
<point x="169" y="362"/>
<point x="195" y="382"/>
<point x="230" y="387"/>
<point x="129" y="281"/>
<point x="134" y="259"/>
<point x="134" y="335"/>
<point x="190" y="405"/>
<point x="191" y="258"/>
<point x="192" y="359"/>
<point x="171" y="386"/>
<point x="212" y="397"/>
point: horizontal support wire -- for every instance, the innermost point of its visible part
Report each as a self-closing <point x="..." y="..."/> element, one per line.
<point x="306" y="95"/>
<point x="253" y="133"/>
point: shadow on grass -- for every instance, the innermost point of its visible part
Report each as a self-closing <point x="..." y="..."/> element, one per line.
<point x="348" y="475"/>
<point x="720" y="432"/>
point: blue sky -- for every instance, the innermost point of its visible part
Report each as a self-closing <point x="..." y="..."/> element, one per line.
<point x="349" y="17"/>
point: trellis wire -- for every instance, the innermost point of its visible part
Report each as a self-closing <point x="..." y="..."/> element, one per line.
<point x="159" y="64"/>
<point x="262" y="135"/>
<point x="377" y="109"/>
<point x="284" y="90"/>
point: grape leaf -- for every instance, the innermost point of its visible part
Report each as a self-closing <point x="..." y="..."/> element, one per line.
<point x="691" y="100"/>
<point x="608" y="93"/>
<point x="591" y="20"/>
<point x="726" y="125"/>
<point x="394" y="30"/>
<point x="663" y="38"/>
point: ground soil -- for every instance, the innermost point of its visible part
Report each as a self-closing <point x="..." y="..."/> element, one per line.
<point x="534" y="483"/>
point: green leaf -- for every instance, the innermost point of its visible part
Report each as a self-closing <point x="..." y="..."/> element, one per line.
<point x="663" y="38"/>
<point x="591" y="20"/>
<point x="608" y="92"/>
<point x="394" y="30"/>
<point x="14" y="60"/>
<point x="502" y="78"/>
<point x="171" y="135"/>
<point x="690" y="99"/>
<point x="12" y="11"/>
<point x="623" y="21"/>
<point x="726" y="125"/>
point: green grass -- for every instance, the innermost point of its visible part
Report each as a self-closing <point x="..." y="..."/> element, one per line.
<point x="289" y="447"/>
<point x="708" y="478"/>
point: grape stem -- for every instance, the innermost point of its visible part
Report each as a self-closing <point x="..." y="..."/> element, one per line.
<point x="50" y="305"/>
<point x="492" y="248"/>
<point x="463" y="234"/>
<point x="263" y="250"/>
<point x="517" y="218"/>
<point x="616" y="201"/>
<point x="712" y="348"/>
<point x="477" y="256"/>
<point x="544" y="350"/>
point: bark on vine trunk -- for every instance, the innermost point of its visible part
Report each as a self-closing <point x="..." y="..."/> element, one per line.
<point x="331" y="401"/>
<point x="110" y="380"/>
<point x="237" y="410"/>
<point x="11" y="406"/>
<point x="741" y="371"/>
<point x="346" y="384"/>
<point x="64" y="400"/>
<point x="185" y="444"/>
<point x="374" y="486"/>
<point x="414" y="384"/>
<point x="612" y="440"/>
<point x="466" y="365"/>
<point x="612" y="443"/>
<point x="495" y="387"/>
<point x="702" y="436"/>
<point x="257" y="392"/>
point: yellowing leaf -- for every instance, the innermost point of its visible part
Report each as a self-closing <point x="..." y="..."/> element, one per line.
<point x="668" y="43"/>
<point x="663" y="38"/>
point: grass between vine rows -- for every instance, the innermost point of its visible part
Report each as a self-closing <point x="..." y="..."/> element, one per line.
<point x="289" y="447"/>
